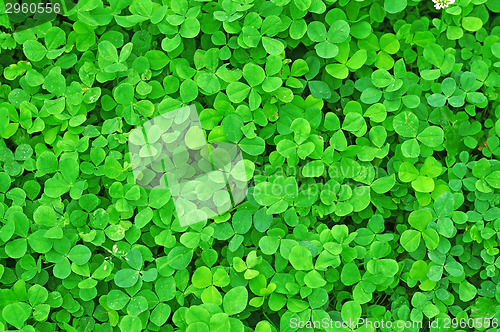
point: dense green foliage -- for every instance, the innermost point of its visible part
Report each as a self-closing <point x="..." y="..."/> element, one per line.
<point x="371" y="133"/>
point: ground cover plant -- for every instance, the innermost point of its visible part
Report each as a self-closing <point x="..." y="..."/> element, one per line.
<point x="370" y="133"/>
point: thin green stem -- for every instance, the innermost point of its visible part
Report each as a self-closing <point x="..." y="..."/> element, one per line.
<point x="270" y="321"/>
<point x="440" y="25"/>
